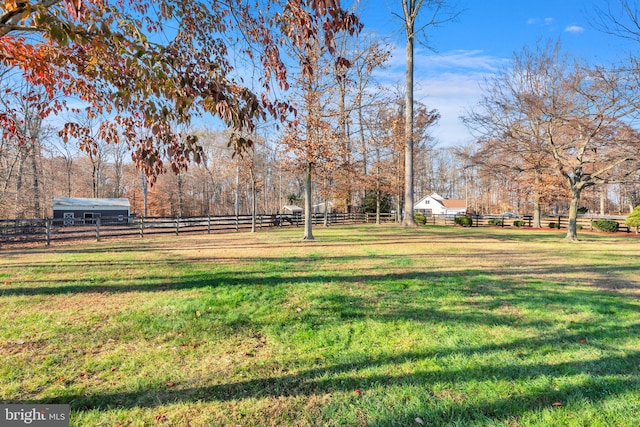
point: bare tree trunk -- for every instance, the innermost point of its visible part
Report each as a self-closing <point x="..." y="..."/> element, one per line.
<point x="537" y="214"/>
<point x="308" y="214"/>
<point x="35" y="185"/>
<point x="236" y="205"/>
<point x="94" y="181"/>
<point x="408" y="220"/>
<point x="254" y="201"/>
<point x="572" y="231"/>
<point x="145" y="193"/>
<point x="326" y="205"/>
<point x="378" y="178"/>
<point x="19" y="211"/>
<point x="69" y="179"/>
<point x="180" y="195"/>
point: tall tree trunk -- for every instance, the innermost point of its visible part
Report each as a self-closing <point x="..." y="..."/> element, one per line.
<point x="363" y="141"/>
<point x="236" y="205"/>
<point x="378" y="183"/>
<point x="94" y="180"/>
<point x="35" y="185"/>
<point x="572" y="233"/>
<point x="407" y="219"/>
<point x="180" y="195"/>
<point x="19" y="210"/>
<point x="308" y="214"/>
<point x="69" y="165"/>
<point x="254" y="201"/>
<point x="537" y="214"/>
<point x="326" y="204"/>
<point x="145" y="193"/>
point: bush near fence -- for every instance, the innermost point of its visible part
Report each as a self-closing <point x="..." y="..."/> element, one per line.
<point x="584" y="222"/>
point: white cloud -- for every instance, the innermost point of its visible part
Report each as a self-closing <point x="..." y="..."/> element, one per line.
<point x="574" y="29"/>
<point x="535" y="21"/>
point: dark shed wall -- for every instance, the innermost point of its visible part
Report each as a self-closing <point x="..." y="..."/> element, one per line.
<point x="79" y="214"/>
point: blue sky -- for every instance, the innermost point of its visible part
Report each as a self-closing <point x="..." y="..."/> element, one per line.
<point x="483" y="39"/>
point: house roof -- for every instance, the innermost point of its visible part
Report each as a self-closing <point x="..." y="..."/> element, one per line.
<point x="90" y="203"/>
<point x="293" y="208"/>
<point x="454" y="203"/>
<point x="447" y="203"/>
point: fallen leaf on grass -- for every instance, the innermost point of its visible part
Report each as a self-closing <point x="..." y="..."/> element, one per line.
<point x="557" y="403"/>
<point x="170" y="384"/>
<point x="419" y="420"/>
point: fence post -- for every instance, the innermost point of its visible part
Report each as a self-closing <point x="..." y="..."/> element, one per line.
<point x="177" y="226"/>
<point x="47" y="231"/>
<point x="97" y="229"/>
<point x="208" y="224"/>
<point x="237" y="223"/>
<point x="559" y="222"/>
<point x="141" y="227"/>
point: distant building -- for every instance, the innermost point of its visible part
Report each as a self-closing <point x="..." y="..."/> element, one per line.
<point x="292" y="210"/>
<point x="320" y="208"/>
<point x="86" y="210"/>
<point x="435" y="204"/>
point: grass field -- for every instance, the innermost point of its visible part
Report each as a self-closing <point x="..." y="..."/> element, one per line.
<point x="366" y="326"/>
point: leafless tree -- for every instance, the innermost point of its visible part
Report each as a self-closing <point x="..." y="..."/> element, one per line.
<point x="550" y="115"/>
<point x="417" y="17"/>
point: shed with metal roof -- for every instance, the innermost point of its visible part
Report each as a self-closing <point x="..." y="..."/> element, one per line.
<point x="86" y="210"/>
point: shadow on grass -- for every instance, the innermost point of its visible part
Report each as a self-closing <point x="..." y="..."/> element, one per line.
<point x="609" y="376"/>
<point x="221" y="271"/>
<point x="410" y="296"/>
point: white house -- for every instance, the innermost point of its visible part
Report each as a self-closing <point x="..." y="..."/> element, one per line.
<point x="435" y="204"/>
<point x="320" y="208"/>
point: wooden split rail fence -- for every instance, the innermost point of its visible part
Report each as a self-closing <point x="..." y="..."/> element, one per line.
<point x="557" y="222"/>
<point x="49" y="231"/>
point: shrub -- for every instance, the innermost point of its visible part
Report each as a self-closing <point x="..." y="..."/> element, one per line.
<point x="605" y="225"/>
<point x="419" y="218"/>
<point x="495" y="221"/>
<point x="553" y="225"/>
<point x="463" y="221"/>
<point x="519" y="223"/>
<point x="633" y="220"/>
<point x="582" y="210"/>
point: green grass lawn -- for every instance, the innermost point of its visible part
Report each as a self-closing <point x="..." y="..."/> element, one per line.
<point x="366" y="326"/>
